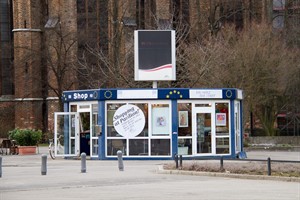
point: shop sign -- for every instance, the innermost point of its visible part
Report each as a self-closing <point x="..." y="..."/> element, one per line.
<point x="129" y="121"/>
<point x="205" y="94"/>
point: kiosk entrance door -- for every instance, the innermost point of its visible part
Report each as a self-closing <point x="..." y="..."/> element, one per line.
<point x="203" y="131"/>
<point x="66" y="134"/>
<point x="88" y="128"/>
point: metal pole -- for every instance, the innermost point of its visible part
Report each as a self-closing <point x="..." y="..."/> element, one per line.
<point x="154" y="84"/>
<point x="269" y="166"/>
<point x="180" y="161"/>
<point x="44" y="164"/>
<point x="120" y="160"/>
<point x="83" y="162"/>
<point x="176" y="160"/>
<point x="0" y="166"/>
<point x="222" y="163"/>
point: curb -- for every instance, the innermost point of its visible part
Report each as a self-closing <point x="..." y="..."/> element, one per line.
<point x="160" y="170"/>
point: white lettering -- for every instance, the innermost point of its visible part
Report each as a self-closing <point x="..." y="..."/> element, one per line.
<point x="80" y="96"/>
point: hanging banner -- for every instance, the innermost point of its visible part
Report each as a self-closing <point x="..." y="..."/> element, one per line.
<point x="154" y="55"/>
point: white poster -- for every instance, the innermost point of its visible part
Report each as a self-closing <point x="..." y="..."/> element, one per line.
<point x="160" y="121"/>
<point x="129" y="121"/>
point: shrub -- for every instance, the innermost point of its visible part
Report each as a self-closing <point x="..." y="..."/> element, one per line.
<point x="25" y="137"/>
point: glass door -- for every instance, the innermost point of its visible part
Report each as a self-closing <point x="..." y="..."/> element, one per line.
<point x="237" y="125"/>
<point x="203" y="131"/>
<point x="88" y="127"/>
<point x="203" y="135"/>
<point x="66" y="134"/>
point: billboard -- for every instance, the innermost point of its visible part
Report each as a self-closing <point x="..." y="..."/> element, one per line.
<point x="154" y="55"/>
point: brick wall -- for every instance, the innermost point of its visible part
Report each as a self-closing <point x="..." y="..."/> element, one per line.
<point x="7" y="117"/>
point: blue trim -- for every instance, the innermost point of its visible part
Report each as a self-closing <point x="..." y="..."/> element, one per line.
<point x="232" y="127"/>
<point x="174" y="138"/>
<point x="66" y="107"/>
<point x="173" y="93"/>
<point x="229" y="93"/>
<point x="163" y="93"/>
<point x="241" y="127"/>
<point x="101" y="140"/>
<point x="109" y="94"/>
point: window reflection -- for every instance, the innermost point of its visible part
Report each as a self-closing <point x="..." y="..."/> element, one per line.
<point x="160" y="147"/>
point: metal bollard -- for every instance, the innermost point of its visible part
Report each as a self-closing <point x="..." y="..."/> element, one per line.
<point x="269" y="166"/>
<point x="120" y="160"/>
<point x="44" y="165"/>
<point x="83" y="162"/>
<point x="176" y="161"/>
<point x="222" y="164"/>
<point x="180" y="161"/>
<point x="0" y="166"/>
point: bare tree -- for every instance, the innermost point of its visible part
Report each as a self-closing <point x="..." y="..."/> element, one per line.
<point x="255" y="60"/>
<point x="60" y="59"/>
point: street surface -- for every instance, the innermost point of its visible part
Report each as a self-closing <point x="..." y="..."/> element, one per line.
<point x="22" y="180"/>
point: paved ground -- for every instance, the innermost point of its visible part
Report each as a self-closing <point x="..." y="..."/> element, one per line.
<point x="22" y="180"/>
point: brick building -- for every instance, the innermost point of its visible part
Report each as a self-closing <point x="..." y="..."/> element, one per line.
<point x="42" y="40"/>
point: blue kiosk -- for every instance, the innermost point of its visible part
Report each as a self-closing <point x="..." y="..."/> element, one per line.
<point x="154" y="123"/>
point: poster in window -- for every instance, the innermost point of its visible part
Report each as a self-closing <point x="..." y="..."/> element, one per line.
<point x="160" y="121"/>
<point x="183" y="119"/>
<point x="221" y="119"/>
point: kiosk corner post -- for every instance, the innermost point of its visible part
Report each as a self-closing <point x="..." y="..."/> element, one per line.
<point x="120" y="160"/>
<point x="0" y="166"/>
<point x="83" y="162"/>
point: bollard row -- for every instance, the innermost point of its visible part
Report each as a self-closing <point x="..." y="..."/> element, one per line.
<point x="83" y="163"/>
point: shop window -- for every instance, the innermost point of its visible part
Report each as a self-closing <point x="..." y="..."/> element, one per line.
<point x="184" y="119"/>
<point x="222" y="128"/>
<point x="160" y="147"/>
<point x="184" y="129"/>
<point x="185" y="146"/>
<point x="138" y="147"/>
<point x="114" y="145"/>
<point x="73" y="108"/>
<point x="222" y="145"/>
<point x="222" y="119"/>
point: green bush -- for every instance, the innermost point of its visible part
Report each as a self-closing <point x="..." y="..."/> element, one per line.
<point x="25" y="137"/>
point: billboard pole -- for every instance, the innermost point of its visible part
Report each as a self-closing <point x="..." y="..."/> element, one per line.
<point x="154" y="85"/>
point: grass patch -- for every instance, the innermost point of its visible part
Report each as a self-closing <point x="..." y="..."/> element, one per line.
<point x="240" y="167"/>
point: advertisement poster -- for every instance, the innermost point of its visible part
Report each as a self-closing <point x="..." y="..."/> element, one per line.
<point x="183" y="119"/>
<point x="160" y="121"/>
<point x="220" y="119"/>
